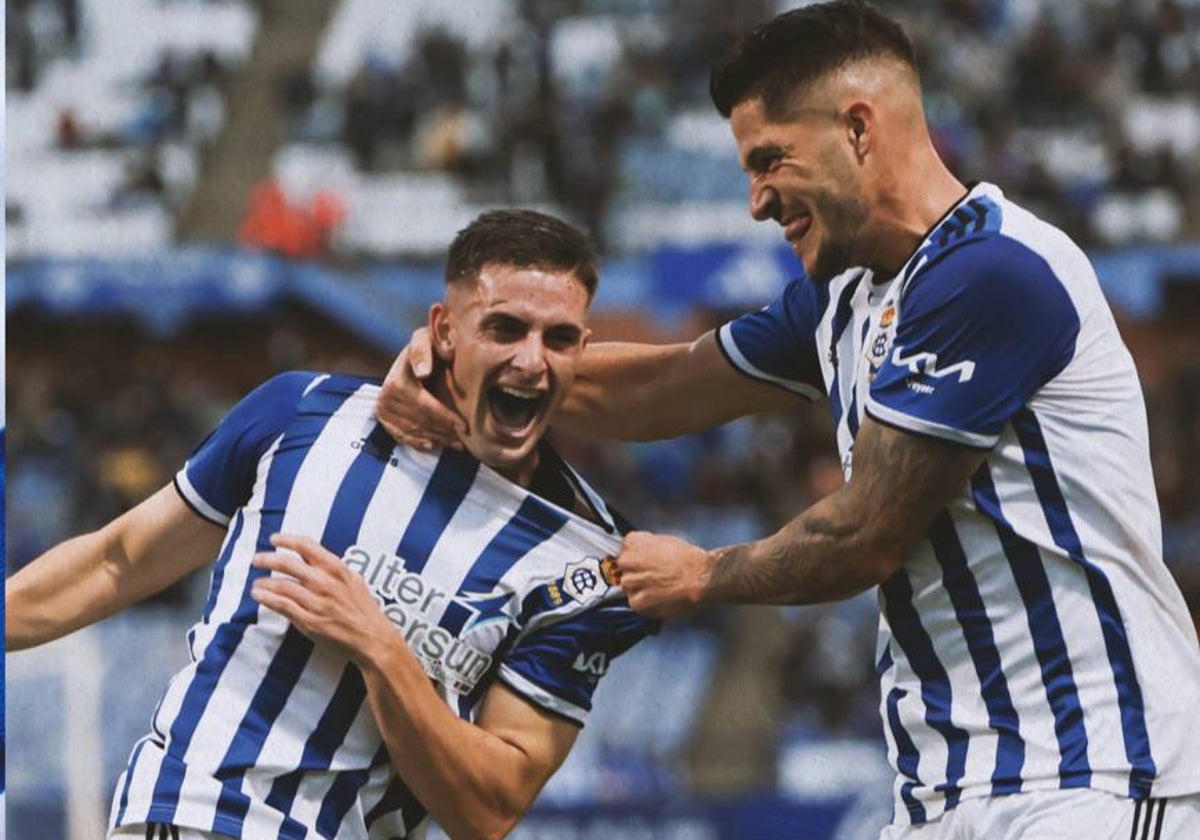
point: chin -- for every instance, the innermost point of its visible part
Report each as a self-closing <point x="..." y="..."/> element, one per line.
<point x="504" y="457"/>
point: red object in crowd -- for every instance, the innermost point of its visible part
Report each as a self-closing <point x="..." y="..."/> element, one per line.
<point x="301" y="231"/>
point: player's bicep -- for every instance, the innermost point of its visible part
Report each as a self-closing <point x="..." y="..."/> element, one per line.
<point x="627" y="391"/>
<point x="544" y="739"/>
<point x="901" y="481"/>
<point x="161" y="540"/>
<point x="721" y="390"/>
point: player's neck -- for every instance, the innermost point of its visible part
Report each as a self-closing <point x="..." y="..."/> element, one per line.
<point x="520" y="474"/>
<point x="909" y="207"/>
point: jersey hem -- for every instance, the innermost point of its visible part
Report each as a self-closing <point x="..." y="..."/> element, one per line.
<point x="928" y="428"/>
<point x="541" y="697"/>
<point x="1115" y="784"/>
<point x="192" y="498"/>
<point x="729" y="349"/>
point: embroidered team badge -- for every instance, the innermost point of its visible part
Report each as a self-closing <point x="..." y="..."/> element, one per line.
<point x="584" y="580"/>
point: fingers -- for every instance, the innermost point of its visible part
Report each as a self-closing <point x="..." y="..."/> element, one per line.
<point x="311" y="551"/>
<point x="420" y="348"/>
<point x="407" y="410"/>
<point x="287" y="597"/>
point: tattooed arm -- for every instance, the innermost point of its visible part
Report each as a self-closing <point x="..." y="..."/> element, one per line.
<point x="845" y="543"/>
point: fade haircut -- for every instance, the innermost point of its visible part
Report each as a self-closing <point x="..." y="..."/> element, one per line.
<point x="801" y="46"/>
<point x="523" y="239"/>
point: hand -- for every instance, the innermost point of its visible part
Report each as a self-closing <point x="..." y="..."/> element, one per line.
<point x="409" y="412"/>
<point x="322" y="597"/>
<point x="663" y="577"/>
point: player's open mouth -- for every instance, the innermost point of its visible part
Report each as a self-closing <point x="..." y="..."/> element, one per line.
<point x="795" y="227"/>
<point x="514" y="409"/>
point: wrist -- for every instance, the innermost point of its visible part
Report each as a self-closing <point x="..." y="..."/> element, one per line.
<point x="706" y="589"/>
<point x="379" y="651"/>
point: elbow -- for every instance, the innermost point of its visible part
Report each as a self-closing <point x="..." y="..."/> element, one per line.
<point x="495" y="825"/>
<point x="490" y="821"/>
<point x="879" y="563"/>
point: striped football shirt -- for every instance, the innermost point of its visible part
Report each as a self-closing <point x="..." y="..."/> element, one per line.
<point x="266" y="735"/>
<point x="1034" y="639"/>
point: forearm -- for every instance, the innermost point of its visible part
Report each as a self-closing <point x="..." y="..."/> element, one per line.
<point x="88" y="578"/>
<point x="474" y="783"/>
<point x="822" y="555"/>
<point x="72" y="585"/>
<point x="856" y="537"/>
<point x="626" y="391"/>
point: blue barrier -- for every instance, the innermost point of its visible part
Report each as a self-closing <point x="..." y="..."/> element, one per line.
<point x="382" y="302"/>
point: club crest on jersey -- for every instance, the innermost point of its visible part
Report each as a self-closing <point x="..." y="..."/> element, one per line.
<point x="888" y="316"/>
<point x="877" y="353"/>
<point x="585" y="580"/>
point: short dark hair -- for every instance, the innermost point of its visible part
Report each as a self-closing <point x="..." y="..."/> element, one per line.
<point x="525" y="239"/>
<point x="801" y="46"/>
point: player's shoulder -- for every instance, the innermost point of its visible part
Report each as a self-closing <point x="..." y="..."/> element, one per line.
<point x="297" y="386"/>
<point x="988" y="238"/>
<point x="1005" y="255"/>
<point x="287" y="395"/>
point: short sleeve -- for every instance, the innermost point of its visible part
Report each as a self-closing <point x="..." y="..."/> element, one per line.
<point x="219" y="475"/>
<point x="559" y="666"/>
<point x="778" y="344"/>
<point x="977" y="334"/>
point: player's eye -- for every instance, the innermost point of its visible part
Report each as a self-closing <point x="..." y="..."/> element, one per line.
<point x="504" y="329"/>
<point x="563" y="338"/>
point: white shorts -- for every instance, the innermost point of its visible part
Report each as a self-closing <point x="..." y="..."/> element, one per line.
<point x="156" y="831"/>
<point x="1060" y="815"/>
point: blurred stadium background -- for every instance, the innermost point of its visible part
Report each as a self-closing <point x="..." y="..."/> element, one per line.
<point x="200" y="194"/>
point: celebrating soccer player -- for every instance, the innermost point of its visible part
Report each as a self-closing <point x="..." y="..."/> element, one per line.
<point x="1039" y="670"/>
<point x="429" y="637"/>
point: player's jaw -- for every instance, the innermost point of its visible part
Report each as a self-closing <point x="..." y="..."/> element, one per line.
<point x="822" y="231"/>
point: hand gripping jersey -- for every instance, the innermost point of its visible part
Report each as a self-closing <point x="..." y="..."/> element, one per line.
<point x="266" y="735"/>
<point x="1034" y="639"/>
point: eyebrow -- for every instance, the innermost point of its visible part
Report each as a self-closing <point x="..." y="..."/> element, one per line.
<point x="759" y="156"/>
<point x="504" y="318"/>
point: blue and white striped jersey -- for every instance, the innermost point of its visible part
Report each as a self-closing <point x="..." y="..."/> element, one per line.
<point x="265" y="735"/>
<point x="1034" y="639"/>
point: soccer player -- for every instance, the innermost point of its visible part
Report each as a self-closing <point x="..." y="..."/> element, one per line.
<point x="461" y="604"/>
<point x="1039" y="674"/>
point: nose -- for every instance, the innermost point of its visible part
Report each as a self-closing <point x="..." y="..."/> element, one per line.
<point x="764" y="202"/>
<point x="530" y="356"/>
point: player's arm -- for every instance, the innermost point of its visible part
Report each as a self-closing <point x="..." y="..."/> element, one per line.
<point x="622" y="391"/>
<point x="93" y="576"/>
<point x="626" y="391"/>
<point x="849" y="541"/>
<point x="476" y="780"/>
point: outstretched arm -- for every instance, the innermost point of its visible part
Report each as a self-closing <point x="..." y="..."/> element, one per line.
<point x="847" y="542"/>
<point x="622" y="391"/>
<point x="629" y="391"/>
<point x="477" y="780"/>
<point x="91" y="577"/>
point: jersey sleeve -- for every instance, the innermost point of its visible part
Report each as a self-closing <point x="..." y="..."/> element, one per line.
<point x="978" y="333"/>
<point x="778" y="344"/>
<point x="219" y="475"/>
<point x="558" y="667"/>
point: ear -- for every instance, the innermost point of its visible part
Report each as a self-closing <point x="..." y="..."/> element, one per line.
<point x="583" y="343"/>
<point x="860" y="126"/>
<point x="442" y="331"/>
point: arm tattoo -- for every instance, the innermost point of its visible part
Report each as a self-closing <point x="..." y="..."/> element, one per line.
<point x="856" y="537"/>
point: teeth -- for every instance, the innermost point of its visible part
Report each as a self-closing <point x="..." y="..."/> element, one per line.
<point x="523" y="393"/>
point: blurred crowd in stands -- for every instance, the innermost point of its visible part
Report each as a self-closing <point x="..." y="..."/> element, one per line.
<point x="1088" y="112"/>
